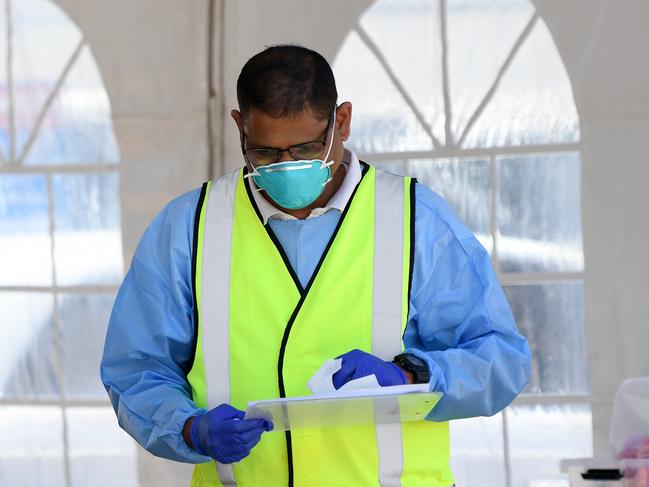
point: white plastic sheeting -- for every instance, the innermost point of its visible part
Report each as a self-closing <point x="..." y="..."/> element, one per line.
<point x="472" y="99"/>
<point x="61" y="256"/>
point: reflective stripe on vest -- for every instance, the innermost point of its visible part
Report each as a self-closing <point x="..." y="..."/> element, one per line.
<point x="387" y="307"/>
<point x="229" y="234"/>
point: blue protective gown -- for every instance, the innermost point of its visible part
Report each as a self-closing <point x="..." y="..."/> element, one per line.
<point x="459" y="322"/>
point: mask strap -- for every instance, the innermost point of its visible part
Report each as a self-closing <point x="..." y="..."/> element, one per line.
<point x="254" y="187"/>
<point x="327" y="164"/>
<point x="331" y="142"/>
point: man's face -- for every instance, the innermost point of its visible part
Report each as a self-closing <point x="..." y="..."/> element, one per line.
<point x="259" y="130"/>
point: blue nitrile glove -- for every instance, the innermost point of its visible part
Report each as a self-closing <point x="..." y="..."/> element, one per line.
<point x="224" y="435"/>
<point x="357" y="364"/>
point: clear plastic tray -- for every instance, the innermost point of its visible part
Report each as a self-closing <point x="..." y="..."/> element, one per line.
<point x="342" y="410"/>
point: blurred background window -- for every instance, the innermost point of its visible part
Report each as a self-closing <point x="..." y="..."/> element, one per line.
<point x="60" y="255"/>
<point x="472" y="98"/>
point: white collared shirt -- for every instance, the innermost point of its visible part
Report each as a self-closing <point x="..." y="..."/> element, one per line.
<point x="337" y="202"/>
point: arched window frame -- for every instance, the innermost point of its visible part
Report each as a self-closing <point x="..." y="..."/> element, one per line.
<point x="449" y="147"/>
<point x="13" y="163"/>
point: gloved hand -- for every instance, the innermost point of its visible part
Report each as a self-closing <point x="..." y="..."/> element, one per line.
<point x="224" y="435"/>
<point x="358" y="364"/>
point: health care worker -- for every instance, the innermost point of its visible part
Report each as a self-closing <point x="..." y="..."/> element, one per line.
<point x="241" y="290"/>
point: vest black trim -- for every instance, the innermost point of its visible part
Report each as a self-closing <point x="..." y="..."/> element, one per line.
<point x="413" y="205"/>
<point x="273" y="237"/>
<point x="289" y="325"/>
<point x="197" y="224"/>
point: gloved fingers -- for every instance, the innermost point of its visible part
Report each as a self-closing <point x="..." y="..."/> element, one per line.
<point x="345" y="374"/>
<point x="252" y="442"/>
<point x="355" y="353"/>
<point x="227" y="459"/>
<point x="231" y="450"/>
<point x="225" y="412"/>
<point x="240" y="426"/>
<point x="234" y="455"/>
<point x="350" y="367"/>
<point x="246" y="437"/>
<point x="266" y="425"/>
<point x="239" y="449"/>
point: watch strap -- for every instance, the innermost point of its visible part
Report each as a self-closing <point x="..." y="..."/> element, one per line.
<point x="415" y="365"/>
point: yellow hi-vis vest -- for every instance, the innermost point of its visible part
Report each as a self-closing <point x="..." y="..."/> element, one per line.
<point x="261" y="335"/>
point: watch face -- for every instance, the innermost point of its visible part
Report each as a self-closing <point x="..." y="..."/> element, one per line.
<point x="417" y="366"/>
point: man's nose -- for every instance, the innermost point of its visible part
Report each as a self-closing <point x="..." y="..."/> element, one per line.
<point x="284" y="155"/>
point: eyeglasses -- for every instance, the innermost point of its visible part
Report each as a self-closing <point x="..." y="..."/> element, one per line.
<point x="308" y="150"/>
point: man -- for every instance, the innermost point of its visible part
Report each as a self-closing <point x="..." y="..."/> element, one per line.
<point x="242" y="290"/>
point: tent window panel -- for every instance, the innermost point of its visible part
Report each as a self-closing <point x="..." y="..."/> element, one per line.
<point x="28" y="360"/>
<point x="87" y="237"/>
<point x="551" y="316"/>
<point x="84" y="319"/>
<point x="539" y="213"/>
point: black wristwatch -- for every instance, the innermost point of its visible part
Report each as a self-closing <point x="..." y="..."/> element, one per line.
<point x="416" y="366"/>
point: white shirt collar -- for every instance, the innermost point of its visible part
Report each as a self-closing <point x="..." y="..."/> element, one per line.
<point x="337" y="202"/>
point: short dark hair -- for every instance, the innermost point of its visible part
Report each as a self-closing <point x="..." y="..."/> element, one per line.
<point x="285" y="80"/>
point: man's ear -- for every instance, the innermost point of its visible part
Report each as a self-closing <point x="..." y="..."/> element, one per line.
<point x="238" y="119"/>
<point x="344" y="120"/>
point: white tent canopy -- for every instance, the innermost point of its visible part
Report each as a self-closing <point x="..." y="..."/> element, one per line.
<point x="513" y="86"/>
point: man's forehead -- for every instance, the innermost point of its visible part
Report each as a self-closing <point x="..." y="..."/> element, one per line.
<point x="264" y="129"/>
